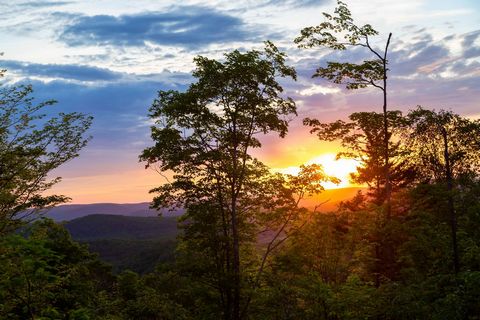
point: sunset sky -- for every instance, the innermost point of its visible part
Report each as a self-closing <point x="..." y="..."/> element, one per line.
<point x="108" y="59"/>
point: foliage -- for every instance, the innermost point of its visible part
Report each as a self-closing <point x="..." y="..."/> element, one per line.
<point x="247" y="249"/>
<point x="109" y="226"/>
<point x="427" y="134"/>
<point x="204" y="136"/>
<point x="31" y="146"/>
<point x="47" y="275"/>
<point x="338" y="32"/>
<point x="363" y="140"/>
<point x="369" y="73"/>
<point x="141" y="256"/>
<point x="136" y="299"/>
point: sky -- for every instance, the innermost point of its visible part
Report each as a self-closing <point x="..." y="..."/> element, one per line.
<point x="109" y="58"/>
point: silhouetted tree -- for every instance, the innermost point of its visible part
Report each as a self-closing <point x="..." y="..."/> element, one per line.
<point x="204" y="136"/>
<point x="339" y="32"/>
<point x="445" y="147"/>
<point x="31" y="146"/>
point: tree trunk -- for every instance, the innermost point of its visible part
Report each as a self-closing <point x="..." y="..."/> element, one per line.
<point x="386" y="135"/>
<point x="386" y="257"/>
<point x="235" y="233"/>
<point x="451" y="208"/>
<point x="236" y="263"/>
<point x="227" y="301"/>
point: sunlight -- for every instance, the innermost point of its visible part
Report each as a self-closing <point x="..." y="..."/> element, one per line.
<point x="337" y="168"/>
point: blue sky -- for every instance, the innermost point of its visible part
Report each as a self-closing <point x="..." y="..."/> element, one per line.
<point x="108" y="59"/>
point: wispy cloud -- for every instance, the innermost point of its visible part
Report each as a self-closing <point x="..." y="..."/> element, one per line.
<point x="296" y="3"/>
<point x="109" y="60"/>
<point x="471" y="44"/>
<point x="44" y="4"/>
<point x="316" y="89"/>
<point x="61" y="71"/>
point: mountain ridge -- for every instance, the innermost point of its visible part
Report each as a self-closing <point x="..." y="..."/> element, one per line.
<point x="68" y="212"/>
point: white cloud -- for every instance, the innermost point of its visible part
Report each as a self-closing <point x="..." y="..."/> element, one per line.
<point x="316" y="89"/>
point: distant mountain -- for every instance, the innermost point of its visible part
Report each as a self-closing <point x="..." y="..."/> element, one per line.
<point x="104" y="226"/>
<point x="137" y="221"/>
<point x="131" y="236"/>
<point x="73" y="211"/>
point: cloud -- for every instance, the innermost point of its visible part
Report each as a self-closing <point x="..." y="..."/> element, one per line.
<point x="465" y="69"/>
<point x="297" y="3"/>
<point x="423" y="71"/>
<point x="422" y="56"/>
<point x="429" y="58"/>
<point x="188" y="27"/>
<point x="119" y="111"/>
<point x="63" y="71"/>
<point x="316" y="89"/>
<point x="115" y="106"/>
<point x="420" y="59"/>
<point x="83" y="73"/>
<point x="43" y="4"/>
<point x="470" y="49"/>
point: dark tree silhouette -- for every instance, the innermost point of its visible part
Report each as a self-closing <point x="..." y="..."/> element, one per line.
<point x="445" y="146"/>
<point x="205" y="135"/>
<point x="339" y="32"/>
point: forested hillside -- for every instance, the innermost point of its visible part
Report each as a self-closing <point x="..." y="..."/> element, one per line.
<point x="102" y="226"/>
<point x="126" y="242"/>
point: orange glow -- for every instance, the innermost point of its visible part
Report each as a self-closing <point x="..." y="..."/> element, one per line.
<point x="133" y="185"/>
<point x="130" y="186"/>
<point x="340" y="169"/>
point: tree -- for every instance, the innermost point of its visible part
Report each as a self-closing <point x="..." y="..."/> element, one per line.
<point x="362" y="139"/>
<point x="445" y="146"/>
<point x="44" y="274"/>
<point x="142" y="298"/>
<point x="31" y="146"/>
<point x="204" y="136"/>
<point x="281" y="213"/>
<point x="339" y="32"/>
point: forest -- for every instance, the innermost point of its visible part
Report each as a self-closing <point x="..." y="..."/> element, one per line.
<point x="251" y="242"/>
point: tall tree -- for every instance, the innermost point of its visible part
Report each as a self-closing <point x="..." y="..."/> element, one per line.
<point x="204" y="136"/>
<point x="32" y="144"/>
<point x="339" y="32"/>
<point x="445" y="146"/>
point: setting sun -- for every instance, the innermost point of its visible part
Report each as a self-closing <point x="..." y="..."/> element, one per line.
<point x="340" y="169"/>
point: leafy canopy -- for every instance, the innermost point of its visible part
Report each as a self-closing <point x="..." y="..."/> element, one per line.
<point x="203" y="134"/>
<point x="338" y="32"/>
<point x="33" y="144"/>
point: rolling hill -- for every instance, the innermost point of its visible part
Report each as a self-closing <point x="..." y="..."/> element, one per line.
<point x="104" y="226"/>
<point x="132" y="236"/>
<point x="126" y="242"/>
<point x="73" y="211"/>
